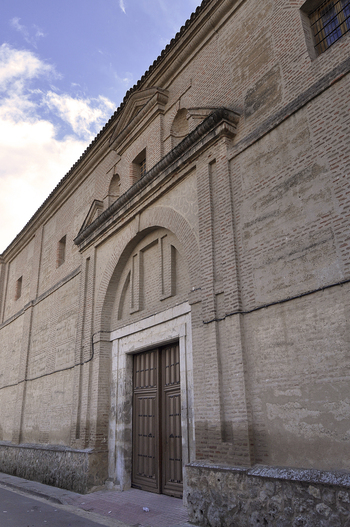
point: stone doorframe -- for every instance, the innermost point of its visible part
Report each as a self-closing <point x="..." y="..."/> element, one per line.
<point x="157" y="330"/>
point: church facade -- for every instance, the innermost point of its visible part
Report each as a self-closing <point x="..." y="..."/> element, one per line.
<point x="175" y="316"/>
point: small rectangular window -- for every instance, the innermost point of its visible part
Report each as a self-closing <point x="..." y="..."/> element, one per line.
<point x="329" y="22"/>
<point x="18" y="291"/>
<point x="61" y="251"/>
<point x="139" y="166"/>
<point x="143" y="167"/>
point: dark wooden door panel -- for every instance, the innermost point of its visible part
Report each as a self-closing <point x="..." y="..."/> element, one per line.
<point x="145" y="462"/>
<point x="146" y="422"/>
<point x="157" y="439"/>
<point x="172" y="443"/>
<point x="171" y="363"/>
<point x="146" y="370"/>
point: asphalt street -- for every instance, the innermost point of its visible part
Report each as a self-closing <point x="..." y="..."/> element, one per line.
<point x="25" y="503"/>
<point x="20" y="510"/>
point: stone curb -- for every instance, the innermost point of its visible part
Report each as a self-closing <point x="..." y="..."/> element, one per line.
<point x="53" y="494"/>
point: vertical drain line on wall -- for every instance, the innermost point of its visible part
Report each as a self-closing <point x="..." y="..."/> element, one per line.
<point x="90" y="283"/>
<point x="25" y="374"/>
<point x="189" y="408"/>
<point x="81" y="358"/>
<point x="3" y="269"/>
<point x="235" y="180"/>
<point x="217" y="277"/>
<point x="6" y="286"/>
<point x="26" y="366"/>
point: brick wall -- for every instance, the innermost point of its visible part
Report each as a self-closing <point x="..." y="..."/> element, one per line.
<point x="257" y="215"/>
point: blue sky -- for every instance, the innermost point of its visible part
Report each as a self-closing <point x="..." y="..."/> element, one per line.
<point x="64" y="69"/>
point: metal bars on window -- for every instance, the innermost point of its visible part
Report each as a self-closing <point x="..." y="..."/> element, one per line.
<point x="329" y="22"/>
<point x="143" y="167"/>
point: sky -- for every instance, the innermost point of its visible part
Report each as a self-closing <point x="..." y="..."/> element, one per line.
<point x="64" y="69"/>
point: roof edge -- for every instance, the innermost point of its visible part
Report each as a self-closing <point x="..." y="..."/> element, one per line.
<point x="168" y="48"/>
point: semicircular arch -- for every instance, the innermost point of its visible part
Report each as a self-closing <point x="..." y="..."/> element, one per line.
<point x="150" y="220"/>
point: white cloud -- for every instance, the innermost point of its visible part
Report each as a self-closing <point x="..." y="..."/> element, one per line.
<point x="32" y="163"/>
<point x="25" y="32"/>
<point x="38" y="32"/>
<point x="18" y="66"/>
<point x="170" y="16"/>
<point x="83" y="115"/>
<point x="16" y="25"/>
<point x="122" y="6"/>
<point x="32" y="157"/>
<point x="124" y="82"/>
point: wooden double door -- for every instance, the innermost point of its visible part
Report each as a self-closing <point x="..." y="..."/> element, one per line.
<point x="157" y="439"/>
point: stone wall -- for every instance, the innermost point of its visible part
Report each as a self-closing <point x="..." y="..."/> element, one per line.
<point x="76" y="470"/>
<point x="225" y="497"/>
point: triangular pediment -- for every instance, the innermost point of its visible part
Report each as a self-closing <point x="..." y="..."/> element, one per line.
<point x="139" y="107"/>
<point x="94" y="212"/>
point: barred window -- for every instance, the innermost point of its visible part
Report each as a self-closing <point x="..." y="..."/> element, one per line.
<point x="329" y="22"/>
<point x="143" y="167"/>
<point x="139" y="165"/>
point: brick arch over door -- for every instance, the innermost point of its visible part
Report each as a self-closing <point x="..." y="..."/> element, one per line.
<point x="152" y="219"/>
<point x="125" y="243"/>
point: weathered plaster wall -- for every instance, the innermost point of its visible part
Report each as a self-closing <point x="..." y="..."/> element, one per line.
<point x="298" y="369"/>
<point x="10" y="358"/>
<point x="49" y="395"/>
<point x="292" y="203"/>
<point x="293" y="227"/>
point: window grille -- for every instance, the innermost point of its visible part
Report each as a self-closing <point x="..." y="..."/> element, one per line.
<point x="329" y="22"/>
<point x="143" y="167"/>
<point x="139" y="165"/>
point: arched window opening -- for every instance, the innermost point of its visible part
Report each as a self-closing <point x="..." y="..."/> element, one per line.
<point x="139" y="166"/>
<point x="179" y="128"/>
<point x="114" y="189"/>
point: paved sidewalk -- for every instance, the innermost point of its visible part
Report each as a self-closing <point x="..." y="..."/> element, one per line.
<point x="126" y="507"/>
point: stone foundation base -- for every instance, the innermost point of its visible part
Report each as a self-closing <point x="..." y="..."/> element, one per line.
<point x="76" y="470"/>
<point x="266" y="496"/>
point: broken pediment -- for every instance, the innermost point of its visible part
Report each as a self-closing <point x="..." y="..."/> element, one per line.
<point x="141" y="108"/>
<point x="94" y="212"/>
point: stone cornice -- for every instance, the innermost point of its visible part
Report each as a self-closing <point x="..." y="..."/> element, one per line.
<point x="220" y="122"/>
